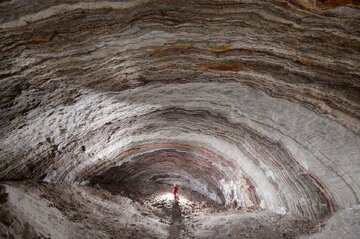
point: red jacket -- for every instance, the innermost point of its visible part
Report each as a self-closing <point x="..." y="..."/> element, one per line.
<point x="175" y="189"/>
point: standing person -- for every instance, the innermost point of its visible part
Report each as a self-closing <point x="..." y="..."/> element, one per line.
<point x="175" y="190"/>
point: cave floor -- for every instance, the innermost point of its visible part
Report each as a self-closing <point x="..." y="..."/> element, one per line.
<point x="90" y="212"/>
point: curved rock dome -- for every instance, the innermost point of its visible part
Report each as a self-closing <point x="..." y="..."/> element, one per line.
<point x="251" y="107"/>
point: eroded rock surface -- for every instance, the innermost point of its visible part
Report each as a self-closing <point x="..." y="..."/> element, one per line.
<point x="251" y="107"/>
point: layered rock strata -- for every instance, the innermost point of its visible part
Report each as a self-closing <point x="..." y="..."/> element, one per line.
<point x="253" y="104"/>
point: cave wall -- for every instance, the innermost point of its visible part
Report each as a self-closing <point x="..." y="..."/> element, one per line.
<point x="253" y="102"/>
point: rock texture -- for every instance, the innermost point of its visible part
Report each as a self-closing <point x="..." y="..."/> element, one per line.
<point x="255" y="105"/>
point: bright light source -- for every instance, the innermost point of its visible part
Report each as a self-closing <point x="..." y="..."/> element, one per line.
<point x="166" y="196"/>
<point x="170" y="197"/>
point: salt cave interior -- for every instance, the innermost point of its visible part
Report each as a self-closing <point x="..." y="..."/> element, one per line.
<point x="251" y="107"/>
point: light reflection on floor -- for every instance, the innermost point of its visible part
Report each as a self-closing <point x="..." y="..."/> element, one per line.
<point x="170" y="197"/>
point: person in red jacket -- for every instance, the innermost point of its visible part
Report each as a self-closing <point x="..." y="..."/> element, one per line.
<point x="175" y="190"/>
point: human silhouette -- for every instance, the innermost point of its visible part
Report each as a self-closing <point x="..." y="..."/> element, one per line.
<point x="175" y="191"/>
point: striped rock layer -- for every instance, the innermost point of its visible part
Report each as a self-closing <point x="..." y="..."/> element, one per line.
<point x="255" y="103"/>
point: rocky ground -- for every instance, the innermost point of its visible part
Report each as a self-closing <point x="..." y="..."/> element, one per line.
<point x="42" y="210"/>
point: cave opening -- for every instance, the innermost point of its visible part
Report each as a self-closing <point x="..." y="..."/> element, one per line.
<point x="201" y="176"/>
